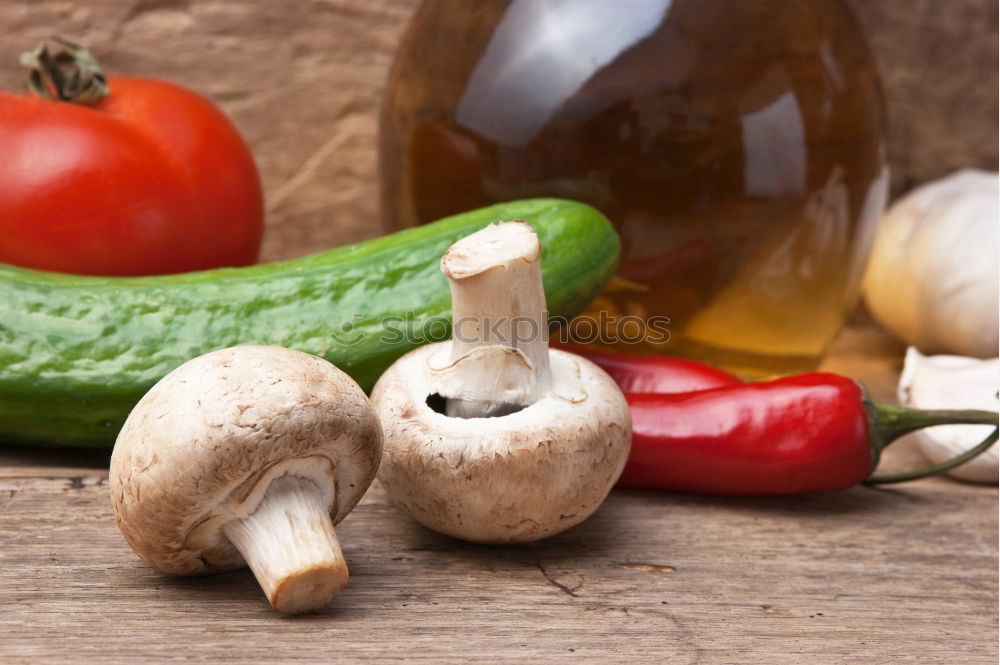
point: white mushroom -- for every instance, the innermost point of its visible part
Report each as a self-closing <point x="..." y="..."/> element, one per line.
<point x="524" y="442"/>
<point x="248" y="454"/>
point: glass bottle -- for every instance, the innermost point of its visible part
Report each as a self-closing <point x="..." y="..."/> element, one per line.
<point x="737" y="146"/>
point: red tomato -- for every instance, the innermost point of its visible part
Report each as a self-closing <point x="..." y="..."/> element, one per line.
<point x="153" y="180"/>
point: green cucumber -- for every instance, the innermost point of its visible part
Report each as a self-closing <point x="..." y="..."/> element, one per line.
<point x="77" y="353"/>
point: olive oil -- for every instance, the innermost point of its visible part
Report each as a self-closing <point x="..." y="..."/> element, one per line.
<point x="737" y="146"/>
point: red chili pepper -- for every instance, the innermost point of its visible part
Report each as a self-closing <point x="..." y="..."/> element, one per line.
<point x="654" y="374"/>
<point x="808" y="433"/>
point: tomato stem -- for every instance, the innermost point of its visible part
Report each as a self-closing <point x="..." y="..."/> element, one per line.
<point x="71" y="74"/>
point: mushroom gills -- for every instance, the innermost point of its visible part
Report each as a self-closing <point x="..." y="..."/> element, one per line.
<point x="290" y="545"/>
<point x="490" y="379"/>
<point x="440" y="404"/>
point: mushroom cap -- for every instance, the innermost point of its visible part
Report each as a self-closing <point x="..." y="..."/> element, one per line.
<point x="513" y="478"/>
<point x="203" y="445"/>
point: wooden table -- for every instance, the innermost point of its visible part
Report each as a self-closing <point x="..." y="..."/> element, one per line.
<point x="907" y="575"/>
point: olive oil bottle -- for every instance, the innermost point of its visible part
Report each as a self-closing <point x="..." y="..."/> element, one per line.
<point x="737" y="145"/>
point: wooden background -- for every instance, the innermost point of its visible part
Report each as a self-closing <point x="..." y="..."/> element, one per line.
<point x="302" y="81"/>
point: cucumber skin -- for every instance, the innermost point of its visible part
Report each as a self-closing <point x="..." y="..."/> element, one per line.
<point x="77" y="353"/>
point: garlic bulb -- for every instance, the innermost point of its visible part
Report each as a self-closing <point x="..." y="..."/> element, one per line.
<point x="953" y="382"/>
<point x="932" y="279"/>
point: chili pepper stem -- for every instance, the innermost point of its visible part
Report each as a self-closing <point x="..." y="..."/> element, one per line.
<point x="71" y="74"/>
<point x="889" y="423"/>
<point x="892" y="422"/>
<point x="958" y="460"/>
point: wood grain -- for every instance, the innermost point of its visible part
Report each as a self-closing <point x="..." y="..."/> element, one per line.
<point x="907" y="575"/>
<point x="938" y="62"/>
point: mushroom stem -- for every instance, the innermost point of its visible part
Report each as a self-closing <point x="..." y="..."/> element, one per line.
<point x="290" y="546"/>
<point x="497" y="300"/>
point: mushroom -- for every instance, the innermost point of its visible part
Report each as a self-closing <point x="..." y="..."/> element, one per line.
<point x="247" y="454"/>
<point x="492" y="437"/>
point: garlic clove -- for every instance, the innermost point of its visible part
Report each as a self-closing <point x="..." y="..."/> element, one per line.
<point x="953" y="382"/>
<point x="932" y="278"/>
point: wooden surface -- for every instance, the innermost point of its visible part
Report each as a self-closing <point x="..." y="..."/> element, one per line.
<point x="907" y="575"/>
<point x="302" y="81"/>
